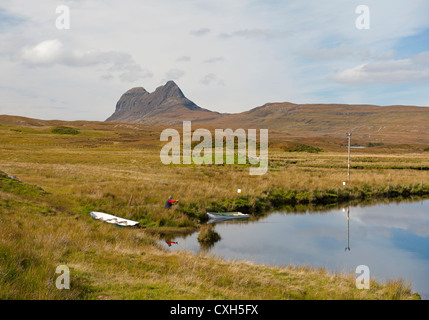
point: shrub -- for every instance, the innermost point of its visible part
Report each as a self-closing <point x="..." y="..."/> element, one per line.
<point x="374" y="144"/>
<point x="302" y="148"/>
<point x="65" y="130"/>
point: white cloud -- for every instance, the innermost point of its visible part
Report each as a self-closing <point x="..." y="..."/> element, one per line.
<point x="388" y="217"/>
<point x="52" y="52"/>
<point x="344" y="51"/>
<point x="213" y="60"/>
<point x="256" y="34"/>
<point x="184" y="59"/>
<point x="174" y="74"/>
<point x="211" y="78"/>
<point x="44" y="53"/>
<point x="133" y="72"/>
<point x="208" y="79"/>
<point x="200" y="32"/>
<point x="410" y="70"/>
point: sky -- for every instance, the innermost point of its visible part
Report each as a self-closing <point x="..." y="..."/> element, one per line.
<point x="226" y="56"/>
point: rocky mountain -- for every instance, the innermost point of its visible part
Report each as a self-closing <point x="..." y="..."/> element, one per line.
<point x="167" y="106"/>
<point x="159" y="107"/>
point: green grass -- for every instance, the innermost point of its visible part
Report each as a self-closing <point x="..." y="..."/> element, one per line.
<point x="17" y="187"/>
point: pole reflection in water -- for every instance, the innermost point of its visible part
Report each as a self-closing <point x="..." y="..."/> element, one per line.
<point x="391" y="238"/>
<point x="348" y="229"/>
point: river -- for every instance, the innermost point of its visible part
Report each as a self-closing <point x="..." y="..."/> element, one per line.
<point x="392" y="240"/>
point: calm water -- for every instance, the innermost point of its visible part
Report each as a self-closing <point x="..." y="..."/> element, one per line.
<point x="391" y="239"/>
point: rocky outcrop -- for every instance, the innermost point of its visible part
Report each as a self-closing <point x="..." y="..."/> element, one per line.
<point x="139" y="106"/>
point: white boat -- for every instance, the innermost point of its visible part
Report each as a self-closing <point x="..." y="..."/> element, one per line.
<point x="219" y="216"/>
<point x="113" y="219"/>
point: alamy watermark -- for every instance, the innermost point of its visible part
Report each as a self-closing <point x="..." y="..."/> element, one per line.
<point x="362" y="21"/>
<point x="202" y="152"/>
<point x="63" y="20"/>
<point x="63" y="280"/>
<point x="362" y="280"/>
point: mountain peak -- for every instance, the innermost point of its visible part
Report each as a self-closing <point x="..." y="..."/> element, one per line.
<point x="169" y="90"/>
<point x="137" y="90"/>
<point x="170" y="83"/>
<point x="138" y="105"/>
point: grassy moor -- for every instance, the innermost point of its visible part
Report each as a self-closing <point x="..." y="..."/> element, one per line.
<point x="53" y="173"/>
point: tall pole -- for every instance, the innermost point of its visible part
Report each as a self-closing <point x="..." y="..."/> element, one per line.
<point x="348" y="160"/>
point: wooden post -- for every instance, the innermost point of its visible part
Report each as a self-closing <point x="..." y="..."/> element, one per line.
<point x="348" y="158"/>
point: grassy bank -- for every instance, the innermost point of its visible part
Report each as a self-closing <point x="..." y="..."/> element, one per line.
<point x="276" y="199"/>
<point x="107" y="262"/>
<point x="45" y="218"/>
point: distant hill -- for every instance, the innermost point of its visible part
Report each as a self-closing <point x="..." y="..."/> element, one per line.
<point x="407" y="124"/>
<point x="167" y="106"/>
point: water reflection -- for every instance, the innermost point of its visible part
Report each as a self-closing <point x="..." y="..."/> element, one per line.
<point x="207" y="237"/>
<point x="391" y="239"/>
<point x="348" y="229"/>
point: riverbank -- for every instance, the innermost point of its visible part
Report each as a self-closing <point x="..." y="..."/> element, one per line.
<point x="276" y="199"/>
<point x="107" y="262"/>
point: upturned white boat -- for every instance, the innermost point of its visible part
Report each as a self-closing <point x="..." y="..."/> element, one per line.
<point x="113" y="219"/>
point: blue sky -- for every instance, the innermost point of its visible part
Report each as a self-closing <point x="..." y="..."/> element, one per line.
<point x="227" y="56"/>
<point x="411" y="45"/>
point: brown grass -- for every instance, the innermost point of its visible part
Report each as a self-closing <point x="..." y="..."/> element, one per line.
<point x="103" y="166"/>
